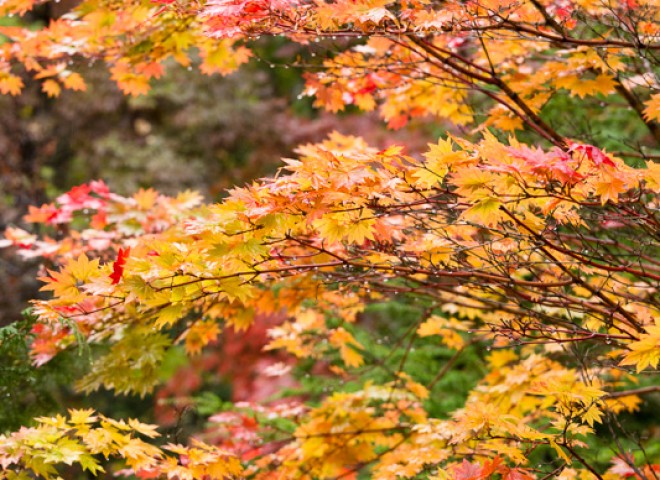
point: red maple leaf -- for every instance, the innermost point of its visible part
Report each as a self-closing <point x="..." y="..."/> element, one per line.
<point x="118" y="266"/>
<point x="554" y="163"/>
<point x="494" y="466"/>
<point x="468" y="471"/>
<point x="594" y="154"/>
<point x="518" y="474"/>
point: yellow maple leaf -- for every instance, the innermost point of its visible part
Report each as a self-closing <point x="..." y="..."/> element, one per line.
<point x="344" y="341"/>
<point x="219" y="57"/>
<point x="610" y="189"/>
<point x="474" y="182"/>
<point x="485" y="212"/>
<point x="51" y="88"/>
<point x="201" y="334"/>
<point x="445" y="328"/>
<point x="644" y="352"/>
<point x="129" y="82"/>
<point x="145" y="198"/>
<point x="351" y="226"/>
<point x="652" y="110"/>
<point x="582" y="87"/>
<point x="73" y="81"/>
<point x="65" y="283"/>
<point x="82" y="416"/>
<point x="10" y="84"/>
<point x="417" y="389"/>
<point x="169" y="315"/>
<point x="560" y="452"/>
<point x="592" y="414"/>
<point x="652" y="175"/>
<point x="145" y="429"/>
<point x="629" y="403"/>
<point x="439" y="159"/>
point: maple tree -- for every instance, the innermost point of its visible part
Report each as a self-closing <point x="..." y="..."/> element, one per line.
<point x="522" y="240"/>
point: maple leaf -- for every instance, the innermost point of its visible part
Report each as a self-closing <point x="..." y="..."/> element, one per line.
<point x="652" y="176"/>
<point x="169" y="315"/>
<point x="417" y="389"/>
<point x="596" y="155"/>
<point x="652" y="108"/>
<point x="439" y="159"/>
<point x="621" y="466"/>
<point x="130" y="83"/>
<point x="150" y="69"/>
<point x="19" y="238"/>
<point x="74" y="81"/>
<point x="343" y="340"/>
<point x="200" y="334"/>
<point x="556" y="163"/>
<point x="484" y="212"/>
<point x="468" y="471"/>
<point x="445" y="328"/>
<point x="143" y="428"/>
<point x="51" y="88"/>
<point x="581" y="87"/>
<point x="492" y="466"/>
<point x="610" y="188"/>
<point x="10" y="84"/>
<point x="354" y="227"/>
<point x="593" y="414"/>
<point x="644" y="352"/>
<point x="518" y="474"/>
<point x="145" y="199"/>
<point x="82" y="416"/>
<point x="220" y="58"/>
<point x="66" y="283"/>
<point x="118" y="265"/>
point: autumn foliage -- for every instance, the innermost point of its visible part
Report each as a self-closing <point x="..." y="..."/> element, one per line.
<point x="533" y="246"/>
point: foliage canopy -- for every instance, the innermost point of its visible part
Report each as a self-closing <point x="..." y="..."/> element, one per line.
<point x="526" y="239"/>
